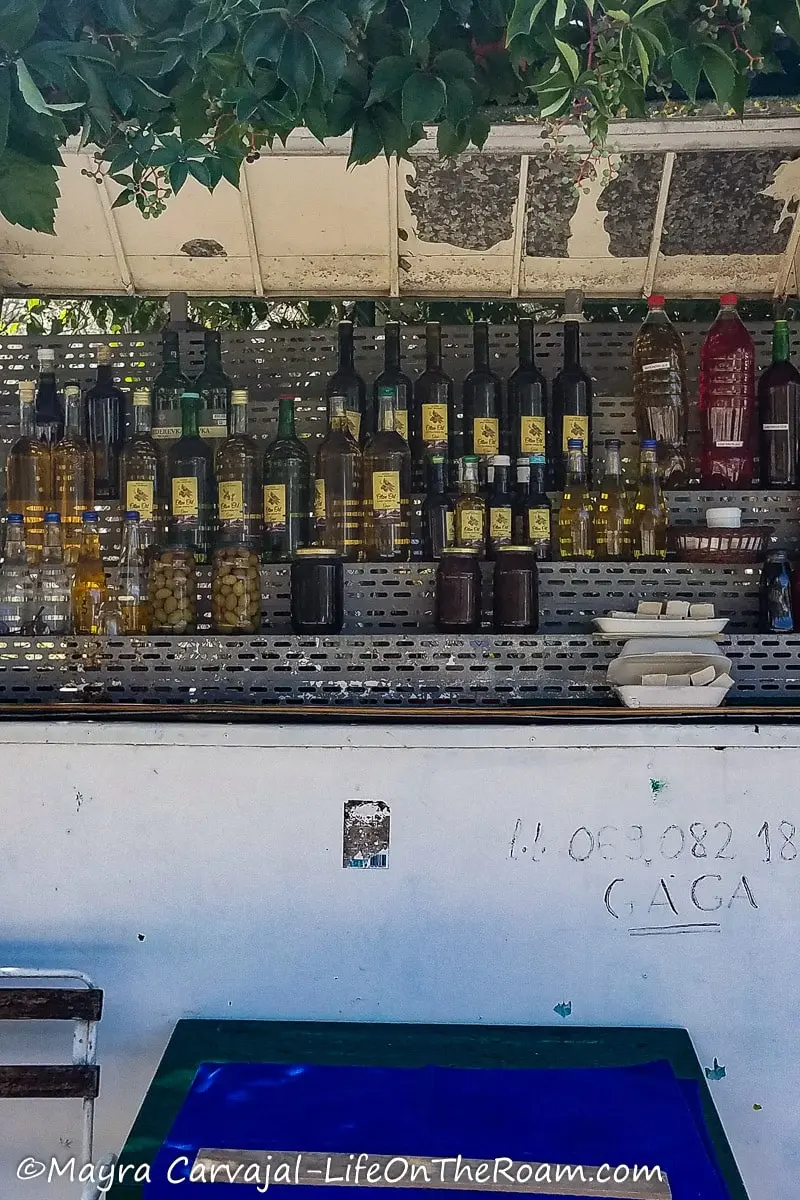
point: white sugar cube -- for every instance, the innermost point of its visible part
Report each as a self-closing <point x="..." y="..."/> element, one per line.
<point x="649" y="608"/>
<point x="678" y="609"/>
<point x="701" y="612"/>
<point x="724" y="681"/>
<point x="703" y="677"/>
<point x="679" y="681"/>
<point x="655" y="680"/>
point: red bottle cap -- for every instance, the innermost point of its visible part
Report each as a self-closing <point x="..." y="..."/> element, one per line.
<point x="655" y="301"/>
<point x="729" y="298"/>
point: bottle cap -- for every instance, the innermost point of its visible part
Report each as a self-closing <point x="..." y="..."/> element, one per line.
<point x="525" y="460"/>
<point x="52" y="518"/>
<point x="648" y="444"/>
<point x="501" y="460"/>
<point x="141" y="398"/>
<point x="131" y="515"/>
<point x="190" y="396"/>
<point x="46" y="354"/>
<point x="655" y="301"/>
<point x="575" y="443"/>
<point x="729" y="298"/>
<point x="15" y="519"/>
<point x="90" y="518"/>
<point x="437" y="458"/>
<point x="538" y="460"/>
<point x="614" y="443"/>
<point x="470" y="458"/>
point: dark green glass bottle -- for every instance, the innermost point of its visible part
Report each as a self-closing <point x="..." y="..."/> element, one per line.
<point x="214" y="388"/>
<point x="168" y="387"/>
<point x="287" y="489"/>
<point x="347" y="382"/>
<point x="393" y="377"/>
<point x="192" y="489"/>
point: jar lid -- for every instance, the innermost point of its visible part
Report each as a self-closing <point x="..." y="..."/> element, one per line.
<point x="315" y="552"/>
<point x="515" y="549"/>
<point x="460" y="550"/>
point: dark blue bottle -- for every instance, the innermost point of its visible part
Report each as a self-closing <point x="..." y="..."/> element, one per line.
<point x="776" y="594"/>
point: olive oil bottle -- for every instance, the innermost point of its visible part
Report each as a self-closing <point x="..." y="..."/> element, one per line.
<point x="140" y="470"/>
<point x="650" y="510"/>
<point x="612" y="517"/>
<point x="470" y="508"/>
<point x="387" y="487"/>
<point x="338" y="485"/>
<point x="237" y="468"/>
<point x="576" y="514"/>
<point x="191" y="486"/>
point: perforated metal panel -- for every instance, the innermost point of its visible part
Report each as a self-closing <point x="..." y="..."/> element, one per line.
<point x="480" y="671"/>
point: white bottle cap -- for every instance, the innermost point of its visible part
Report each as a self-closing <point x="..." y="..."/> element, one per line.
<point x="724" y="518"/>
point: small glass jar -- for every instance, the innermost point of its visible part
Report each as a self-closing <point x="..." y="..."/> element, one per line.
<point x="515" y="607"/>
<point x="235" y="590"/>
<point x="172" y="588"/>
<point x="458" y="591"/>
<point x="317" y="591"/>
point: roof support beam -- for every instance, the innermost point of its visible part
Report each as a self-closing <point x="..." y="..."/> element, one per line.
<point x="658" y="223"/>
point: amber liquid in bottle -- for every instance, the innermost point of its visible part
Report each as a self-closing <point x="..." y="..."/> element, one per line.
<point x="650" y="511"/>
<point x="73" y="476"/>
<point x="141" y="469"/>
<point x="29" y="474"/>
<point x="89" y="590"/>
<point x="576" y="514"/>
<point x="387" y="487"/>
<point x="470" y="521"/>
<point x="660" y="392"/>
<point x="238" y="471"/>
<point x="338" y="486"/>
<point x="612" y="517"/>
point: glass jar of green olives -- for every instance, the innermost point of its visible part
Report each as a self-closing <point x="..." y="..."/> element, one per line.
<point x="172" y="590"/>
<point x="235" y="590"/>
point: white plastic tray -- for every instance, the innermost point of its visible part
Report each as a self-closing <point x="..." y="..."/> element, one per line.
<point x="653" y="627"/>
<point x="671" y="697"/>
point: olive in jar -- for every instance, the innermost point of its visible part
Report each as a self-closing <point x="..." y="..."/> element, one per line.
<point x="317" y="591"/>
<point x="458" y="591"/>
<point x="515" y="607"/>
<point x="172" y="589"/>
<point x="235" y="590"/>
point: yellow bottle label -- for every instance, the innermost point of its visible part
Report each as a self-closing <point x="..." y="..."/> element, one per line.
<point x="210" y="432"/>
<point x="275" y="505"/>
<point x="184" y="497"/>
<point x="231" y="500"/>
<point x="450" y="527"/>
<point x="401" y="422"/>
<point x="538" y="524"/>
<point x="470" y="525"/>
<point x="531" y="435"/>
<point x="500" y="523"/>
<point x="576" y="427"/>
<point x="164" y="433"/>
<point x="319" y="499"/>
<point x="139" y="497"/>
<point x="434" y="422"/>
<point x="386" y="491"/>
<point x="354" y="422"/>
<point x="486" y="435"/>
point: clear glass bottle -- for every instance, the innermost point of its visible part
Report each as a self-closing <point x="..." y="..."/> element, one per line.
<point x="387" y="487"/>
<point x="727" y="401"/>
<point x="214" y="389"/>
<point x="53" y="582"/>
<point x="470" y="508"/>
<point x="130" y="580"/>
<point x="168" y="387"/>
<point x="572" y="407"/>
<point x="338" y="485"/>
<point x="346" y="381"/>
<point x="73" y="475"/>
<point x="287" y="488"/>
<point x="49" y="413"/>
<point x="576" y="514"/>
<point x="105" y="427"/>
<point x="89" y="588"/>
<point x="438" y="510"/>
<point x="650" y="510"/>
<point x="532" y="514"/>
<point x="192" y="489"/>
<point x="660" y="392"/>
<point x="17" y="588"/>
<point x="527" y="398"/>
<point x="483" y="403"/>
<point x="433" y="407"/>
<point x="612" y="515"/>
<point x="779" y="415"/>
<point x="500" y="523"/>
<point x="141" y="469"/>
<point x="393" y="377"/>
<point x="29" y="482"/>
<point x="238" y="470"/>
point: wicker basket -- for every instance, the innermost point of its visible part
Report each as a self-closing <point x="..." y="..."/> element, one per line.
<point x="698" y="543"/>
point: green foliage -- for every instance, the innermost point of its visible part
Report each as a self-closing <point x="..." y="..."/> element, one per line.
<point x="167" y="90"/>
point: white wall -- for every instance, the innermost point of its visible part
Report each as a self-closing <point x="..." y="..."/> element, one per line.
<point x="196" y="871"/>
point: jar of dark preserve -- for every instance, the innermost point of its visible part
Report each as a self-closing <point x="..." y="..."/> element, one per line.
<point x="458" y="591"/>
<point x="317" y="591"/>
<point x="516" y="590"/>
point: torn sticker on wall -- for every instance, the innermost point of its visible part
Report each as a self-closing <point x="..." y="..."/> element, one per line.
<point x="365" y="840"/>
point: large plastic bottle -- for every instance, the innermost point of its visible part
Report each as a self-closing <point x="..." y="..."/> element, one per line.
<point x="660" y="392"/>
<point x="727" y="401"/>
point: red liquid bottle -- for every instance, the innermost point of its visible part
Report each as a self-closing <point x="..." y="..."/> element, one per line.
<point x="727" y="401"/>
